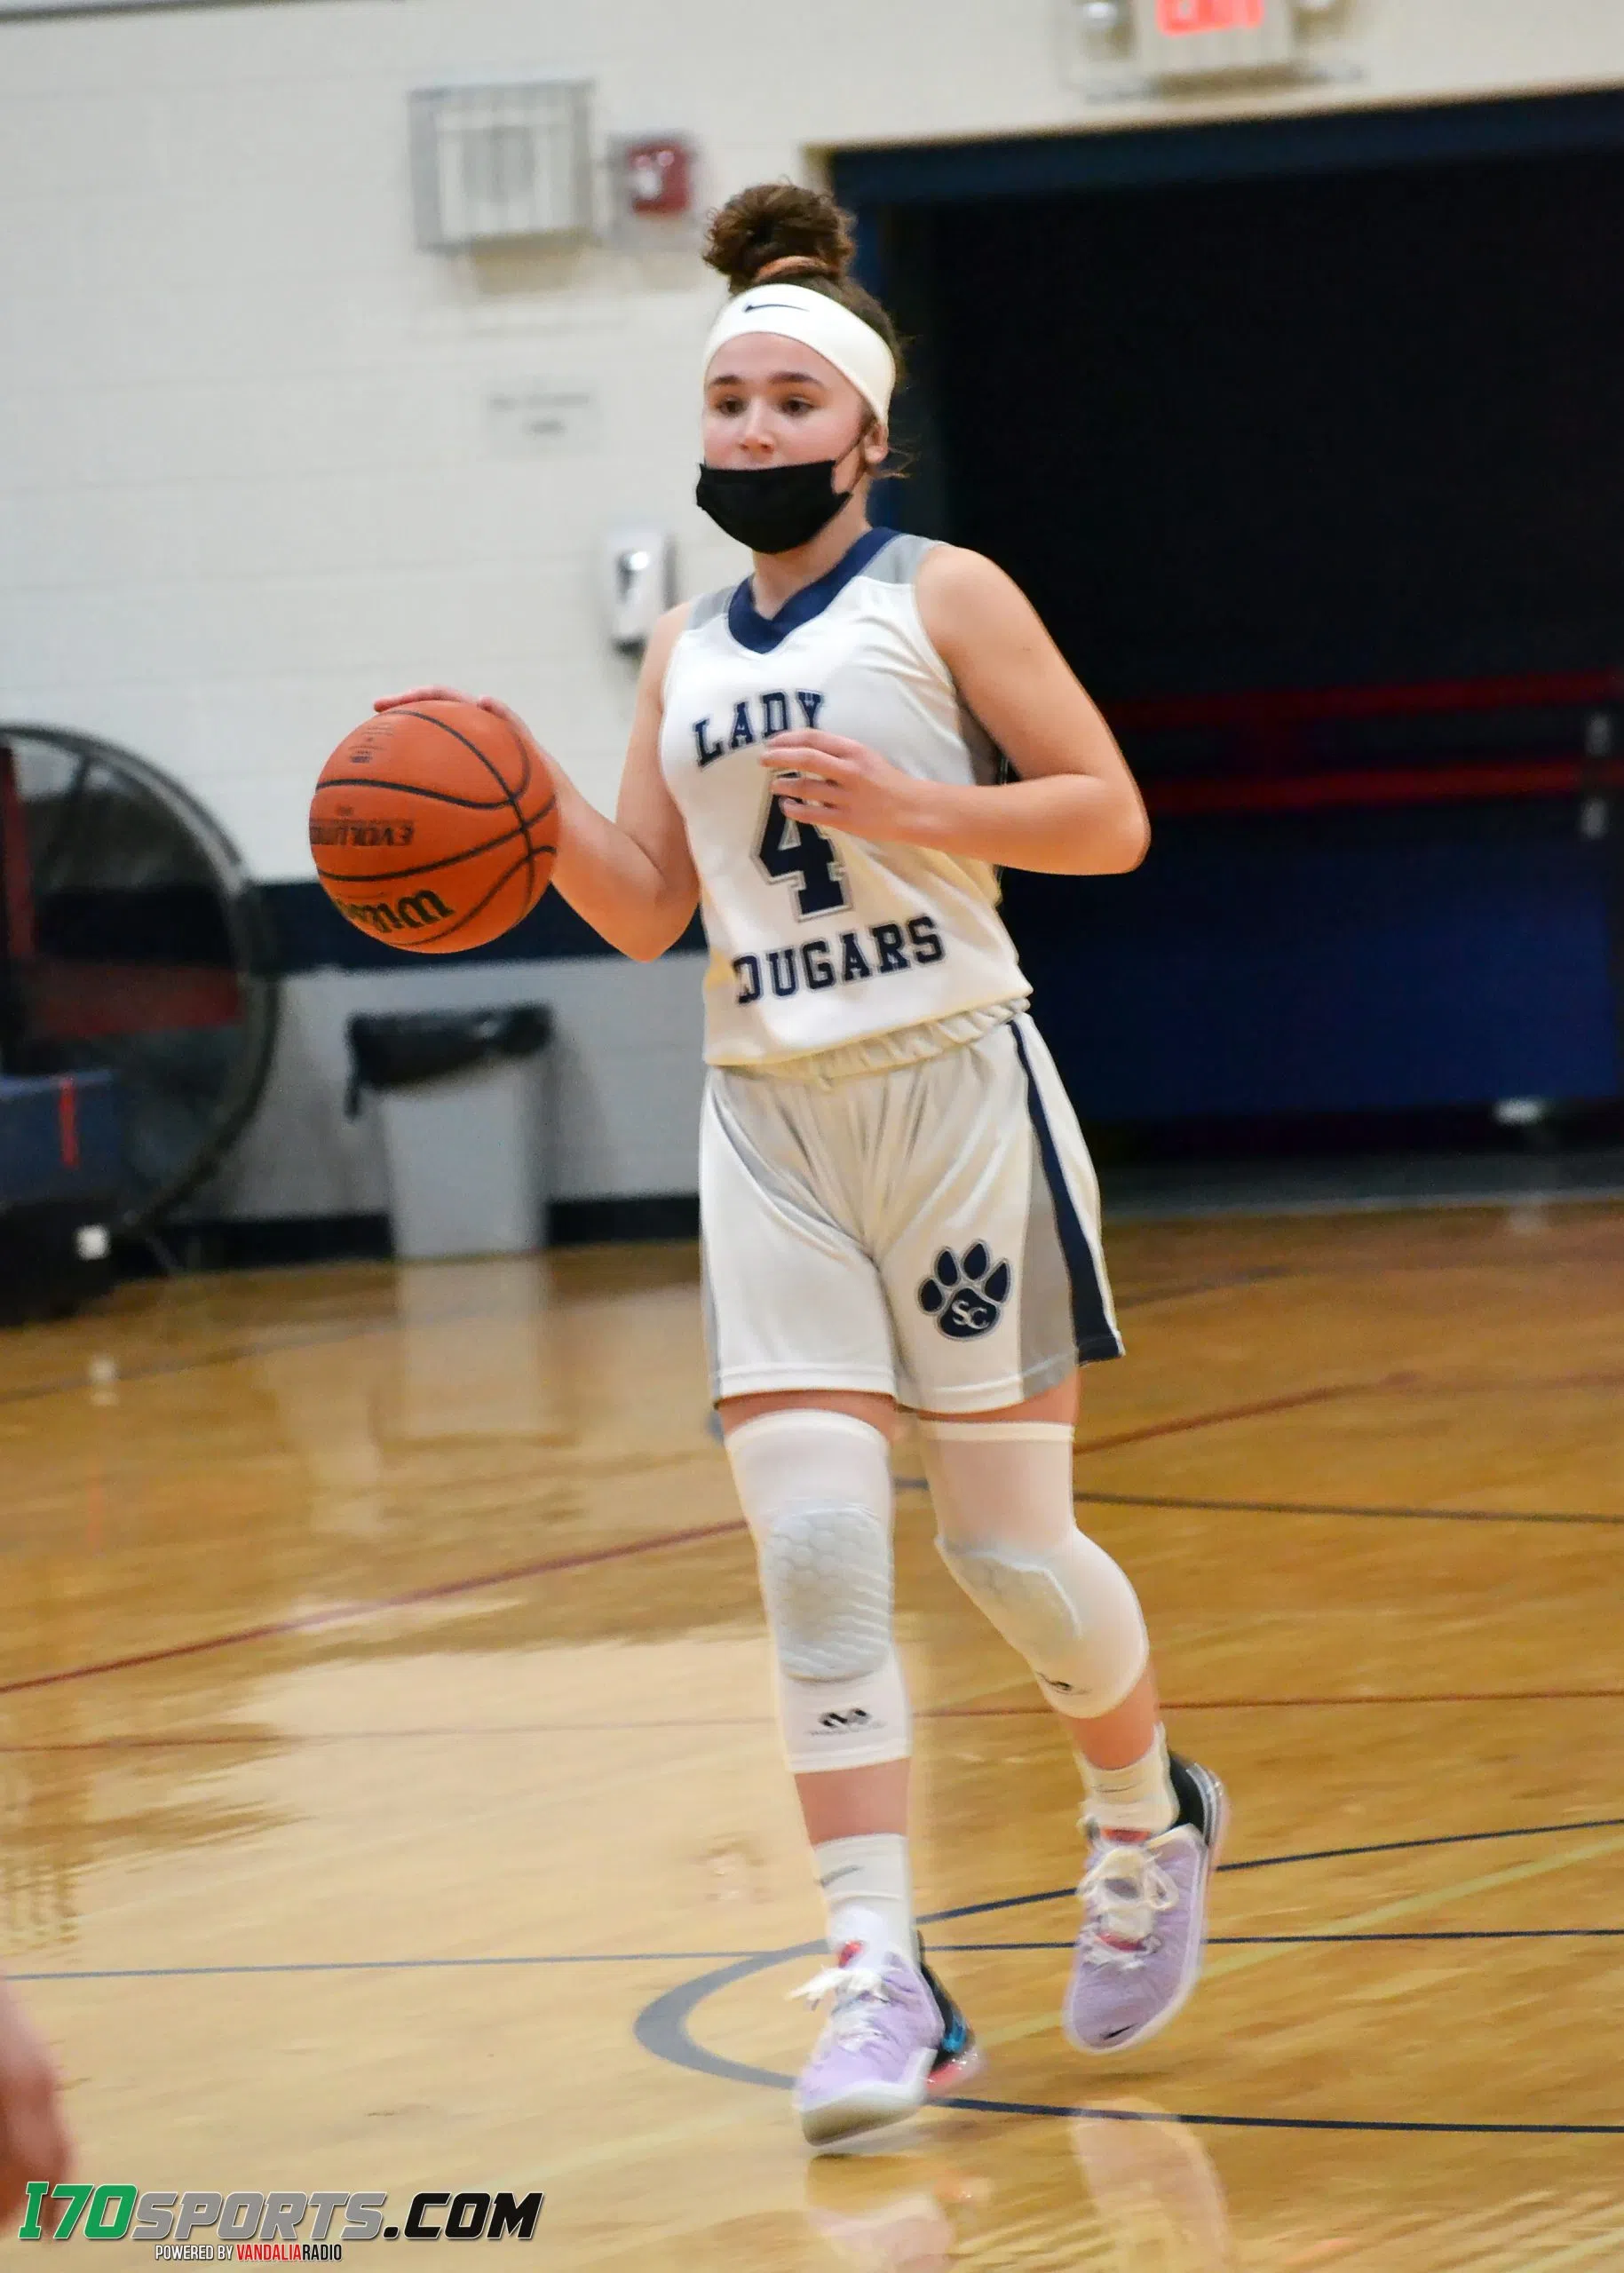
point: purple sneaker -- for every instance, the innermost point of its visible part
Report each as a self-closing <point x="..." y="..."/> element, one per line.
<point x="1145" y="1921"/>
<point x="894" y="2039"/>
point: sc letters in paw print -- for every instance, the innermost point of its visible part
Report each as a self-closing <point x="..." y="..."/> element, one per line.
<point x="965" y="1293"/>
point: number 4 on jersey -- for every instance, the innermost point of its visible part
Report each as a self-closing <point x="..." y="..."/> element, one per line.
<point x="796" y="848"/>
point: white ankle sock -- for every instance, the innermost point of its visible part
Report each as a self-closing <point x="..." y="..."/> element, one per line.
<point x="1139" y="1798"/>
<point x="869" y="1892"/>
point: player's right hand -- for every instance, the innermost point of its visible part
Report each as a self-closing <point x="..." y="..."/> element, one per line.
<point x="33" y="2142"/>
<point x="430" y="695"/>
<point x="454" y="695"/>
<point x="451" y="694"/>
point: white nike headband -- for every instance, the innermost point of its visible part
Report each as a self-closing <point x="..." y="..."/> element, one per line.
<point x="831" y="330"/>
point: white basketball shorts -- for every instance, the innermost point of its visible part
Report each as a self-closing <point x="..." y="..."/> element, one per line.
<point x="930" y="1232"/>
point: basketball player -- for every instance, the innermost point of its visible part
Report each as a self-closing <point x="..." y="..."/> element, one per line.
<point x="833" y="759"/>
<point x="33" y="2142"/>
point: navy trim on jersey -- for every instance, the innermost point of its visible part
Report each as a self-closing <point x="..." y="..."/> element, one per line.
<point x="761" y="633"/>
<point x="1096" y="1337"/>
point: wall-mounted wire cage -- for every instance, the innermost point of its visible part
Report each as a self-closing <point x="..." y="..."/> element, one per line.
<point x="498" y="165"/>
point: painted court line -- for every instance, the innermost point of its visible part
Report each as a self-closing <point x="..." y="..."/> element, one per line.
<point x="1433" y="1839"/>
<point x="166" y="1369"/>
<point x="1290" y="1703"/>
<point x="1208" y="2122"/>
<point x="377" y="1965"/>
<point x="1267" y="1274"/>
<point x="247" y="1739"/>
<point x="726" y="1957"/>
<point x="1329" y="1508"/>
<point x="1177" y="1501"/>
<point x="1236" y="1941"/>
<point x="1413" y="1905"/>
<point x="313" y="1621"/>
<point x="1290" y="1401"/>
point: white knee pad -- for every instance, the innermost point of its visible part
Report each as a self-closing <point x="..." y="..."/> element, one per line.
<point x="816" y="1489"/>
<point x="1002" y="1492"/>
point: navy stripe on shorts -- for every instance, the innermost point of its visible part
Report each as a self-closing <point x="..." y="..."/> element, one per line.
<point x="1096" y="1337"/>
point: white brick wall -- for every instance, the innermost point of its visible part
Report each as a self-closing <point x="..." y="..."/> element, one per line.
<point x="244" y="478"/>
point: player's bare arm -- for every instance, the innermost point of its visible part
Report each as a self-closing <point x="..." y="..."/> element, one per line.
<point x="1075" y="810"/>
<point x="632" y="878"/>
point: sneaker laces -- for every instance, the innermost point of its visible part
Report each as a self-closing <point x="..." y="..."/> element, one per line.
<point x="1123" y="1891"/>
<point x="858" y="1990"/>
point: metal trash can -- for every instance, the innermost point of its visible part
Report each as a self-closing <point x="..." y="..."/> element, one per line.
<point x="462" y="1101"/>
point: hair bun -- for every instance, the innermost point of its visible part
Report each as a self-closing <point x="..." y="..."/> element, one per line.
<point x="778" y="221"/>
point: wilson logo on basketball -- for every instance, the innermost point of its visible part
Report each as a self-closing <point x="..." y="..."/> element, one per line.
<point x="414" y="913"/>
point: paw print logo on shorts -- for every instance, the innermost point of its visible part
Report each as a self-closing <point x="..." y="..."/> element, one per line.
<point x="966" y="1293"/>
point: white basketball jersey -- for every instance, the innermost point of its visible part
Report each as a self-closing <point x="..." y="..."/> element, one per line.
<point x="818" y="939"/>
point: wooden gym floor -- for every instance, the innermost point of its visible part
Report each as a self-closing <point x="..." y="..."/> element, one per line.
<point x="390" y="1799"/>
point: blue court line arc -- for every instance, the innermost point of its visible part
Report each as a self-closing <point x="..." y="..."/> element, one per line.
<point x="662" y="2026"/>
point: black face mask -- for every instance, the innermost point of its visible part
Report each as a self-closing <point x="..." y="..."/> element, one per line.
<point x="770" y="508"/>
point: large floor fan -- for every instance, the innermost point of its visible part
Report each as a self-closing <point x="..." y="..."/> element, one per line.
<point x="132" y="942"/>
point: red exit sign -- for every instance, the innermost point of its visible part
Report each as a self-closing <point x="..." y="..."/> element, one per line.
<point x="1177" y="18"/>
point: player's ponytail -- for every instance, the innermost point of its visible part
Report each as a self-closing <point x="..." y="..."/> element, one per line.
<point x="779" y="232"/>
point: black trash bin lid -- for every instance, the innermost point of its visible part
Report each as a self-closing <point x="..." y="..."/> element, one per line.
<point x="397" y="1050"/>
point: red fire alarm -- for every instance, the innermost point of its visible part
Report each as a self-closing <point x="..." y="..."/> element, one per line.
<point x="658" y="175"/>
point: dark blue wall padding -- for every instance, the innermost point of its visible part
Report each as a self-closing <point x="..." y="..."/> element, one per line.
<point x="1331" y="964"/>
<point x="59" y="1138"/>
<point x="1303" y="402"/>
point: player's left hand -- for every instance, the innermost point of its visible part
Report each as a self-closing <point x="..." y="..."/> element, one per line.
<point x="33" y="2142"/>
<point x="844" y="785"/>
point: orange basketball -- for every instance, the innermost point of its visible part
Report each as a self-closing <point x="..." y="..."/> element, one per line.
<point x="435" y="827"/>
